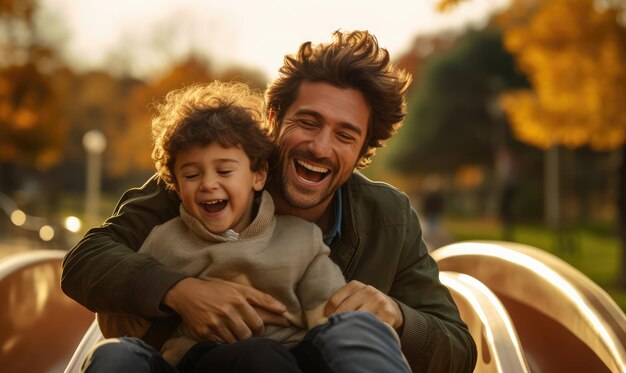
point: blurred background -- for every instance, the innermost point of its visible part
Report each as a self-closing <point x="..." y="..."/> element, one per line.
<point x="516" y="128"/>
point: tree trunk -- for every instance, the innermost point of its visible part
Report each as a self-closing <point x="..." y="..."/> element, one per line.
<point x="552" y="195"/>
<point x="621" y="218"/>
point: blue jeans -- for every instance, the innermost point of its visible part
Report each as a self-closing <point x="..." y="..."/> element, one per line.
<point x="125" y="354"/>
<point x="351" y="342"/>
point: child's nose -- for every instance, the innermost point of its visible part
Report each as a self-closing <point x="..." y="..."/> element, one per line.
<point x="209" y="183"/>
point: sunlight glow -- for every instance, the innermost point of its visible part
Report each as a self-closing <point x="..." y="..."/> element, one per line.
<point x="255" y="34"/>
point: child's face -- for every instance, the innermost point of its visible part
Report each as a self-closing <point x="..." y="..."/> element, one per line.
<point x="217" y="186"/>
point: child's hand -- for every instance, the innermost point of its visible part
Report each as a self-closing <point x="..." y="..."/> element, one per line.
<point x="226" y="310"/>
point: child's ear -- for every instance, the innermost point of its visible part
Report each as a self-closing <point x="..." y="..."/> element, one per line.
<point x="177" y="190"/>
<point x="260" y="177"/>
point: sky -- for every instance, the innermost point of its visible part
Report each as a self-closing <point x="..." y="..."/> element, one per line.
<point x="252" y="33"/>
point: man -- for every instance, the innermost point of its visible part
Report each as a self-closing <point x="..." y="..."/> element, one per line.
<point x="331" y="107"/>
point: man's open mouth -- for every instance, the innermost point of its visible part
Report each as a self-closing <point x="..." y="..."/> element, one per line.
<point x="214" y="206"/>
<point x="310" y="172"/>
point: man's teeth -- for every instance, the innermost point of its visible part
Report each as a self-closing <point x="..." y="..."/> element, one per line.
<point x="311" y="167"/>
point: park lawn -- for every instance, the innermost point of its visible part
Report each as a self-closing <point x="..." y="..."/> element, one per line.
<point x="592" y="250"/>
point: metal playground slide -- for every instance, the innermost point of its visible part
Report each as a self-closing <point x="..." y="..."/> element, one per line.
<point x="564" y="321"/>
<point x="527" y="310"/>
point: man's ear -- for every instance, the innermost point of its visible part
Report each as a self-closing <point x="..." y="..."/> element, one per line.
<point x="260" y="177"/>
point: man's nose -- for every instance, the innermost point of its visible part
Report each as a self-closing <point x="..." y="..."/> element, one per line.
<point x="320" y="144"/>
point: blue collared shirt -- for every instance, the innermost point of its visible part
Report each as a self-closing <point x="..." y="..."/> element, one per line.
<point x="334" y="234"/>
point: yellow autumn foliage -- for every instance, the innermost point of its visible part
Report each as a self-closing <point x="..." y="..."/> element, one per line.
<point x="574" y="54"/>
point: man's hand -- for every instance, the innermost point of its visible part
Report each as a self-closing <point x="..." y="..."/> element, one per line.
<point x="224" y="309"/>
<point x="356" y="296"/>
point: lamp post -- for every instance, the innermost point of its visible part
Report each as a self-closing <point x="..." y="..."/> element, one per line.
<point x="94" y="143"/>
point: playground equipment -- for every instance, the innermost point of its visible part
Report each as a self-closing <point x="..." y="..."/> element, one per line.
<point x="527" y="310"/>
<point x="565" y="322"/>
<point x="40" y="326"/>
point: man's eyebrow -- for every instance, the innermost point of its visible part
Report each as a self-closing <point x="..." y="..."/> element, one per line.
<point x="319" y="117"/>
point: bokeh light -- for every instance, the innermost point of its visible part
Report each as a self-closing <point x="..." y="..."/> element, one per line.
<point x="73" y="224"/>
<point x="18" y="217"/>
<point x="46" y="233"/>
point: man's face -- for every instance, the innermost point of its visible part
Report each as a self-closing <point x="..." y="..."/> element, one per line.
<point x="320" y="139"/>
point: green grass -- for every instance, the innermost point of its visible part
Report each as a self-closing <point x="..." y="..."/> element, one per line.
<point x="593" y="250"/>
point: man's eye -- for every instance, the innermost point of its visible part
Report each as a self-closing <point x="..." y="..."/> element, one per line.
<point x="346" y="137"/>
<point x="308" y="123"/>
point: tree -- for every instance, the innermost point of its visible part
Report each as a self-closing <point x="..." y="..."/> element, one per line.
<point x="452" y="118"/>
<point x="32" y="130"/>
<point x="574" y="56"/>
<point x="574" y="53"/>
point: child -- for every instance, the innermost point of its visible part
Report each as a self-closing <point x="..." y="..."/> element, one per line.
<point x="210" y="148"/>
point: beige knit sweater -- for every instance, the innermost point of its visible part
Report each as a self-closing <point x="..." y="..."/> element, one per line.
<point x="283" y="256"/>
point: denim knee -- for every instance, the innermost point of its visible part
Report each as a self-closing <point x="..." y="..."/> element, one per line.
<point x="353" y="324"/>
<point x="124" y="354"/>
<point x="358" y="342"/>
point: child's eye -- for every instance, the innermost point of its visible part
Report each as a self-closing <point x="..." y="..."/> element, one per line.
<point x="224" y="172"/>
<point x="191" y="176"/>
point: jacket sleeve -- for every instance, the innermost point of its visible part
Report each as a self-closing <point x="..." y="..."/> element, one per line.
<point x="434" y="338"/>
<point x="105" y="273"/>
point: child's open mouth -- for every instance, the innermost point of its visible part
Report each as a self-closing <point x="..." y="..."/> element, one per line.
<point x="214" y="206"/>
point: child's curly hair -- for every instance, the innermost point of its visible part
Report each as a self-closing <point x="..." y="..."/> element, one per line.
<point x="230" y="113"/>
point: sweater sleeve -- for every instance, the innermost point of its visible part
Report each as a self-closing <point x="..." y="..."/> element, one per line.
<point x="105" y="273"/>
<point x="321" y="279"/>
<point x="434" y="338"/>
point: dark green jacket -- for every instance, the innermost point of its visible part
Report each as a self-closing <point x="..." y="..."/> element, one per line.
<point x="381" y="245"/>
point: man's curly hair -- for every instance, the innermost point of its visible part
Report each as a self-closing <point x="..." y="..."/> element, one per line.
<point x="229" y="113"/>
<point x="352" y="60"/>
